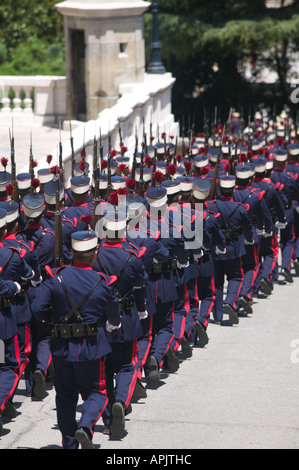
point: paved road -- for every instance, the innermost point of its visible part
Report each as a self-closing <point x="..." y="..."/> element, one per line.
<point x="238" y="392"/>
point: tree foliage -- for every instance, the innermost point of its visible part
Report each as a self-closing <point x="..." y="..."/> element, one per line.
<point x="206" y="46"/>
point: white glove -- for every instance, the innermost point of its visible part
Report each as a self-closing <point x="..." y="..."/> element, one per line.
<point x="297" y="209"/>
<point x="180" y="266"/>
<point x="197" y="256"/>
<point x="18" y="287"/>
<point x="268" y="234"/>
<point x="27" y="278"/>
<point x="260" y="232"/>
<point x="36" y="283"/>
<point x="110" y="327"/>
<point x="248" y="243"/>
<point x="280" y="225"/>
<point x="143" y="315"/>
<point x="220" y="252"/>
<point x="155" y="260"/>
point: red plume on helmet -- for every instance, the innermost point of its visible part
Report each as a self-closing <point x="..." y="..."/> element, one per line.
<point x="4" y="162"/>
<point x="204" y="171"/>
<point x="87" y="218"/>
<point x="130" y="184"/>
<point x="49" y="158"/>
<point x="104" y="164"/>
<point x="9" y="188"/>
<point x="35" y="183"/>
<point x="113" y="198"/>
<point x="226" y="167"/>
<point x="82" y="165"/>
<point x="171" y="169"/>
<point x="188" y="167"/>
<point x="158" y="177"/>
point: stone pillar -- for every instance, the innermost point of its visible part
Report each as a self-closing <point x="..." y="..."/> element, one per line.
<point x="104" y="43"/>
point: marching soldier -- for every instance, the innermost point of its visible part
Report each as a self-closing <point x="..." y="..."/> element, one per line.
<point x="262" y="223"/>
<point x="117" y="256"/>
<point x="238" y="231"/>
<point x="14" y="272"/>
<point x="79" y="304"/>
<point x="44" y="248"/>
<point x="269" y="242"/>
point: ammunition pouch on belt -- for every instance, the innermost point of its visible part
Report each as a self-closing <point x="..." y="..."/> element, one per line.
<point x="166" y="267"/>
<point x="5" y="302"/>
<point x="126" y="303"/>
<point x="231" y="233"/>
<point x="73" y="330"/>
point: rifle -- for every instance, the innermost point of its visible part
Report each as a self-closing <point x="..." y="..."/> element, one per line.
<point x="13" y="166"/>
<point x="31" y="163"/>
<point x="153" y="182"/>
<point x="120" y="135"/>
<point x="60" y="155"/>
<point x="141" y="180"/>
<point x="84" y="146"/>
<point x="72" y="148"/>
<point x="58" y="261"/>
<point x="95" y="153"/>
<point x="213" y="186"/>
<point x="101" y="147"/>
<point x="134" y="164"/>
<point x="96" y="216"/>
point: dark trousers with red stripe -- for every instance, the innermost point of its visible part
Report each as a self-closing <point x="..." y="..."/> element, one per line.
<point x="181" y="311"/>
<point x="194" y="306"/>
<point x="9" y="371"/>
<point x="268" y="255"/>
<point x="40" y="356"/>
<point x="25" y="344"/>
<point x="71" y="379"/>
<point x="144" y="344"/>
<point x="251" y="266"/>
<point x="232" y="269"/>
<point x="162" y="330"/>
<point x="121" y="365"/>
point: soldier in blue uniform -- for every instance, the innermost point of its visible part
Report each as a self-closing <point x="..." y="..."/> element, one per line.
<point x="289" y="191"/>
<point x="238" y="231"/>
<point x="68" y="226"/>
<point x="203" y="291"/>
<point x="22" y="305"/>
<point x="79" y="304"/>
<point x="163" y="278"/>
<point x="14" y="272"/>
<point x="44" y="248"/>
<point x="269" y="245"/>
<point x="139" y="232"/>
<point x="80" y="191"/>
<point x="261" y="220"/>
<point x="293" y="167"/>
<point x="117" y="256"/>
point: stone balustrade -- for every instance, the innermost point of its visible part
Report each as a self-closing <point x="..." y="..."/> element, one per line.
<point x="142" y="107"/>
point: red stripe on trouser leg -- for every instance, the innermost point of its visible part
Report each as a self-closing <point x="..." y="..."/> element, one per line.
<point x="240" y="287"/>
<point x="102" y="389"/>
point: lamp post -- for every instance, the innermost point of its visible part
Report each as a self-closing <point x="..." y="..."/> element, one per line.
<point x="155" y="65"/>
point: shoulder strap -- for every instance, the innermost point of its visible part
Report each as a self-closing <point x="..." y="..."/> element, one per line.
<point x="75" y="307"/>
<point x="4" y="268"/>
<point x="226" y="219"/>
<point x="120" y="272"/>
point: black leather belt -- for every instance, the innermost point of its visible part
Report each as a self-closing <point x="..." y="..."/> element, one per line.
<point x="73" y="330"/>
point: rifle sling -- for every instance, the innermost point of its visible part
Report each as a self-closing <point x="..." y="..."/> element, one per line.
<point x="6" y="264"/>
<point x="120" y="272"/>
<point x="75" y="307"/>
<point x="226" y="219"/>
